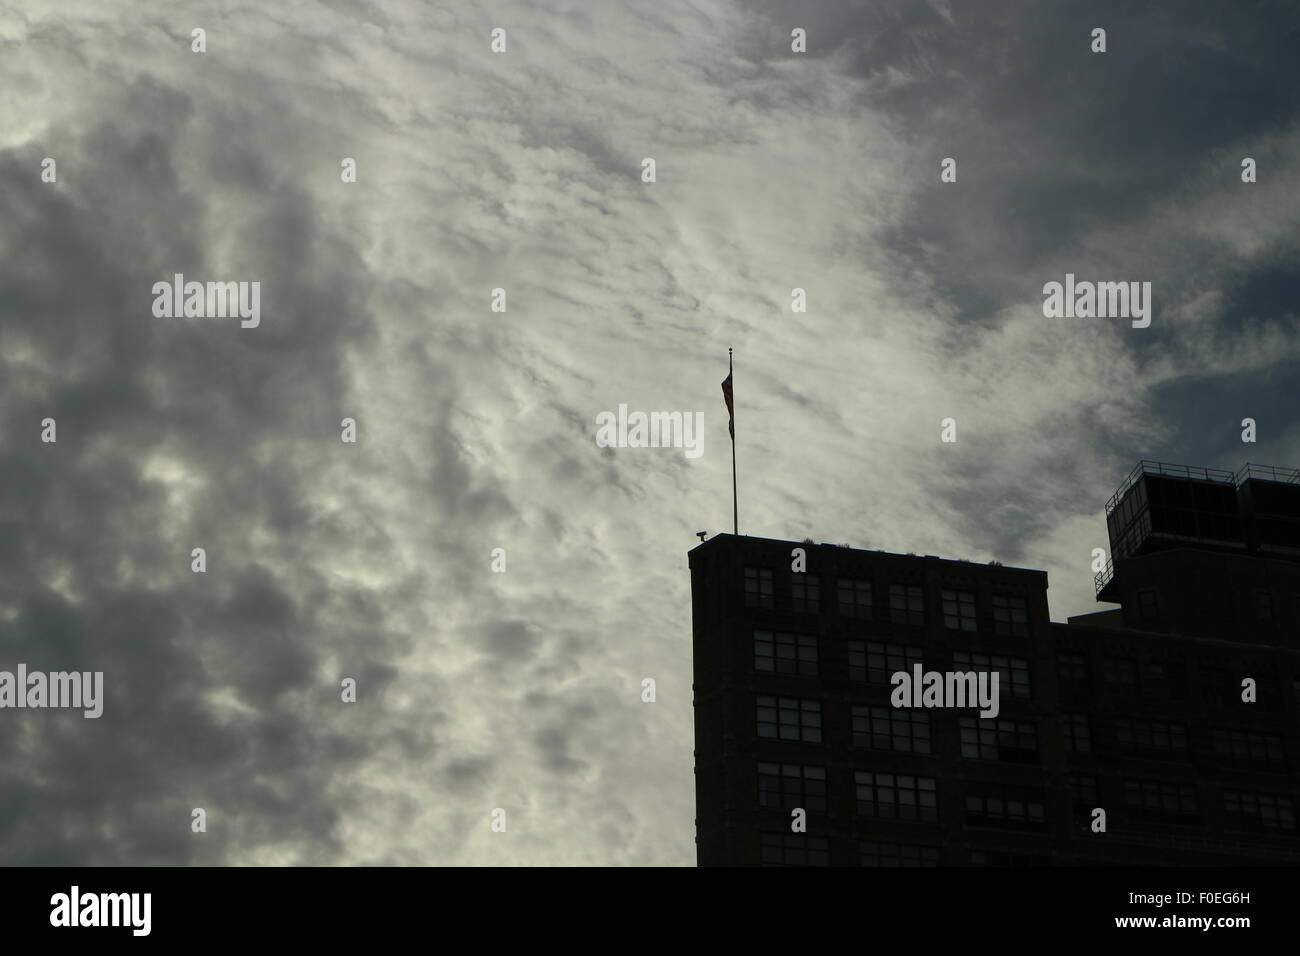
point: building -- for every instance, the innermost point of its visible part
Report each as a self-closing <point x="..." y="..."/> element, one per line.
<point x="1137" y="710"/>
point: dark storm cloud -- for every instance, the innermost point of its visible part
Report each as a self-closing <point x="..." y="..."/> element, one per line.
<point x="125" y="389"/>
<point x="467" y="774"/>
<point x="324" y="560"/>
<point x="510" y="640"/>
<point x="553" y="745"/>
<point x="1052" y="140"/>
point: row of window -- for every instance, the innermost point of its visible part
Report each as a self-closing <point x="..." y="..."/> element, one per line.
<point x="1164" y="801"/>
<point x="1148" y="605"/>
<point x="776" y="652"/>
<point x="898" y="729"/>
<point x="1162" y="738"/>
<point x="1167" y="680"/>
<point x="899" y="796"/>
<point x="855" y="597"/>
<point x="799" y="719"/>
<point x="907" y="730"/>
<point x="791" y="849"/>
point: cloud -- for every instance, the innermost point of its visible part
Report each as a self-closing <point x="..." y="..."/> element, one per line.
<point x="327" y="560"/>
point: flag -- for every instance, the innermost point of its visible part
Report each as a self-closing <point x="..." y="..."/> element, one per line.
<point x="731" y="410"/>
<point x="731" y="429"/>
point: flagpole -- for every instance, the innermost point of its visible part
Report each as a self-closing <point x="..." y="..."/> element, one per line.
<point x="735" y="508"/>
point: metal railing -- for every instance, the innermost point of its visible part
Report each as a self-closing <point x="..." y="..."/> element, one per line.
<point x="1102" y="577"/>
<point x="1148" y="467"/>
<point x="1250" y="470"/>
<point x="1290" y="476"/>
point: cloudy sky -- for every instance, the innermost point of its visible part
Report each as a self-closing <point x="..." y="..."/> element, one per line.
<point x="475" y="429"/>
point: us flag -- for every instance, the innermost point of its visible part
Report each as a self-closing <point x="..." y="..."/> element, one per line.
<point x="731" y="409"/>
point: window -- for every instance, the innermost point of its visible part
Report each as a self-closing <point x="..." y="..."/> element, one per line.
<point x="897" y="796"/>
<point x="959" y="610"/>
<point x="888" y="728"/>
<point x="805" y="593"/>
<point x="790" y="718"/>
<point x="785" y="653"/>
<point x="1257" y="811"/>
<point x="997" y="858"/>
<point x="1150" y="736"/>
<point x="1146" y="604"/>
<point x="1167" y="679"/>
<point x="1224" y="605"/>
<point x="857" y="651"/>
<point x="1072" y="668"/>
<point x="1121" y="673"/>
<point x="1268" y="693"/>
<point x="987" y="805"/>
<point x="878" y="662"/>
<point x="1013" y="672"/>
<point x="1245" y="748"/>
<point x="1218" y="687"/>
<point x="1083" y="798"/>
<point x="1077" y="738"/>
<point x="758" y="587"/>
<point x="907" y="604"/>
<point x="993" y="739"/>
<point x="1010" y="615"/>
<point x="1159" y="800"/>
<point x="1264" y="605"/>
<point x="789" y="785"/>
<point x="897" y="854"/>
<point x="855" y="598"/>
<point x="793" y="849"/>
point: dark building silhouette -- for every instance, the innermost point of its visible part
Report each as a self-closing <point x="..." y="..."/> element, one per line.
<point x="1137" y="710"/>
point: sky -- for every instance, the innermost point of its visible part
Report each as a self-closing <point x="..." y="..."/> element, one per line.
<point x="520" y="689"/>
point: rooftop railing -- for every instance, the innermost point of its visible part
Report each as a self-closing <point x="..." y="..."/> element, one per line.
<point x="1102" y="578"/>
<point x="1148" y="467"/>
<point x="1290" y="476"/>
